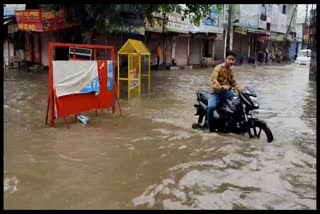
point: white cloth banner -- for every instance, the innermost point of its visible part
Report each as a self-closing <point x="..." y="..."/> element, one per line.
<point x="74" y="77"/>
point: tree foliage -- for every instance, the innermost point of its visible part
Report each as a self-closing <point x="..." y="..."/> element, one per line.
<point x="107" y="18"/>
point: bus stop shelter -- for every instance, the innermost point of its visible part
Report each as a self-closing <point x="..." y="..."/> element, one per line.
<point x="136" y="51"/>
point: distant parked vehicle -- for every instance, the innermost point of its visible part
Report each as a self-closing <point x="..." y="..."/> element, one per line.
<point x="304" y="57"/>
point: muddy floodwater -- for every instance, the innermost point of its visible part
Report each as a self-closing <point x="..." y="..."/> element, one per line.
<point x="151" y="158"/>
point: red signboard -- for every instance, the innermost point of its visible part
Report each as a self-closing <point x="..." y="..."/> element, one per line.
<point x="75" y="104"/>
<point x="28" y="16"/>
<point x="263" y="38"/>
<point x="78" y="103"/>
<point x="308" y="32"/>
<point x="36" y="27"/>
<point x="40" y="20"/>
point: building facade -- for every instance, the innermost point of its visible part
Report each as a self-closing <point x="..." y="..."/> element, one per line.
<point x="257" y="32"/>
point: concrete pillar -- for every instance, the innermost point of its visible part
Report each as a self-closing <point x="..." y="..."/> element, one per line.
<point x="313" y="66"/>
<point x="8" y="51"/>
<point x="231" y="37"/>
<point x="174" y="48"/>
<point x="213" y="48"/>
<point x="165" y="47"/>
<point x="313" y="61"/>
<point x="225" y="44"/>
<point x="201" y="47"/>
<point x="249" y="51"/>
<point x="188" y="50"/>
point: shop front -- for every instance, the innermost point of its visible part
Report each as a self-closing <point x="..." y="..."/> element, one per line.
<point x="40" y="27"/>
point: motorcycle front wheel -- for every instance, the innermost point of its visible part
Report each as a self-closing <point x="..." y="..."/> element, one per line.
<point x="256" y="129"/>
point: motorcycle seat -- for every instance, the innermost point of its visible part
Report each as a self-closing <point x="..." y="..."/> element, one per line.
<point x="203" y="96"/>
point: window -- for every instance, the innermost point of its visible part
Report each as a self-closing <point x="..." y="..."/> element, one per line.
<point x="263" y="15"/>
<point x="268" y="26"/>
<point x="81" y="53"/>
<point x="284" y="9"/>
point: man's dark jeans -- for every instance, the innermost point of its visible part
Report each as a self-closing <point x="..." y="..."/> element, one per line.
<point x="213" y="101"/>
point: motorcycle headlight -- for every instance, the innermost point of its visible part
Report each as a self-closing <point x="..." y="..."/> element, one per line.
<point x="255" y="101"/>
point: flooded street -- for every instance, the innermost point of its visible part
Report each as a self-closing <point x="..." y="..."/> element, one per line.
<point x="151" y="158"/>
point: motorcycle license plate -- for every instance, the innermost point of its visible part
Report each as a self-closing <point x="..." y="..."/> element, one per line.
<point x="253" y="112"/>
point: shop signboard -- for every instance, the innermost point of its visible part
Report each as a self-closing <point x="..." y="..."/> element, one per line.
<point x="176" y="24"/>
<point x="40" y="21"/>
<point x="242" y="31"/>
<point x="210" y="24"/>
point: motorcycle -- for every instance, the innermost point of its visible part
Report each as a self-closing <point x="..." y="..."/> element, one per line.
<point x="235" y="114"/>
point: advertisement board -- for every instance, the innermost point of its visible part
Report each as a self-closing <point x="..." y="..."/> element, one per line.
<point x="40" y="21"/>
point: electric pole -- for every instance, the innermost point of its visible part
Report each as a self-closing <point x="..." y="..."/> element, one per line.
<point x="289" y="26"/>
<point x="288" y="29"/>
<point x="229" y="27"/>
<point x="313" y="41"/>
<point x="304" y="27"/>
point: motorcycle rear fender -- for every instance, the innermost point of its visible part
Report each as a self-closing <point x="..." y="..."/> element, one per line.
<point x="261" y="121"/>
<point x="199" y="109"/>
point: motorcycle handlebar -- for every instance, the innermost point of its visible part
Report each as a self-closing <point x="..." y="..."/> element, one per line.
<point x="230" y="88"/>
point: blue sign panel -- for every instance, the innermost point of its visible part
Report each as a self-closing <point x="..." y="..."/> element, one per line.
<point x="213" y="19"/>
<point x="93" y="86"/>
<point x="110" y="76"/>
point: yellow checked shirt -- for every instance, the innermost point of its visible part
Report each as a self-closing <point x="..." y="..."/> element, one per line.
<point x="223" y="76"/>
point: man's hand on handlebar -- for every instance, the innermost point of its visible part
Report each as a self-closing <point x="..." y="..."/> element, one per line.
<point x="225" y="87"/>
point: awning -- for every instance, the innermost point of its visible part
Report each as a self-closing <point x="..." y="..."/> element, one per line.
<point x="277" y="37"/>
<point x="184" y="35"/>
<point x="199" y="35"/>
<point x="134" y="46"/>
<point x="256" y="31"/>
<point x="244" y="30"/>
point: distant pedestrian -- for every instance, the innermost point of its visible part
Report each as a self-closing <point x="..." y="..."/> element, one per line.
<point x="267" y="55"/>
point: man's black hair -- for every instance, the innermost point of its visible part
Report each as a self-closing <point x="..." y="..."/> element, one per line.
<point x="230" y="53"/>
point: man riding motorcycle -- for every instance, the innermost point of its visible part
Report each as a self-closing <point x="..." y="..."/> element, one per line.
<point x="221" y="79"/>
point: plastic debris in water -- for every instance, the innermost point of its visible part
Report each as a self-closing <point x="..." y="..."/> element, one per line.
<point x="83" y="118"/>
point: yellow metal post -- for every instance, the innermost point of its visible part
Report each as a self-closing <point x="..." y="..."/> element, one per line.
<point x="149" y="75"/>
<point x="139" y="88"/>
<point x="118" y="86"/>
